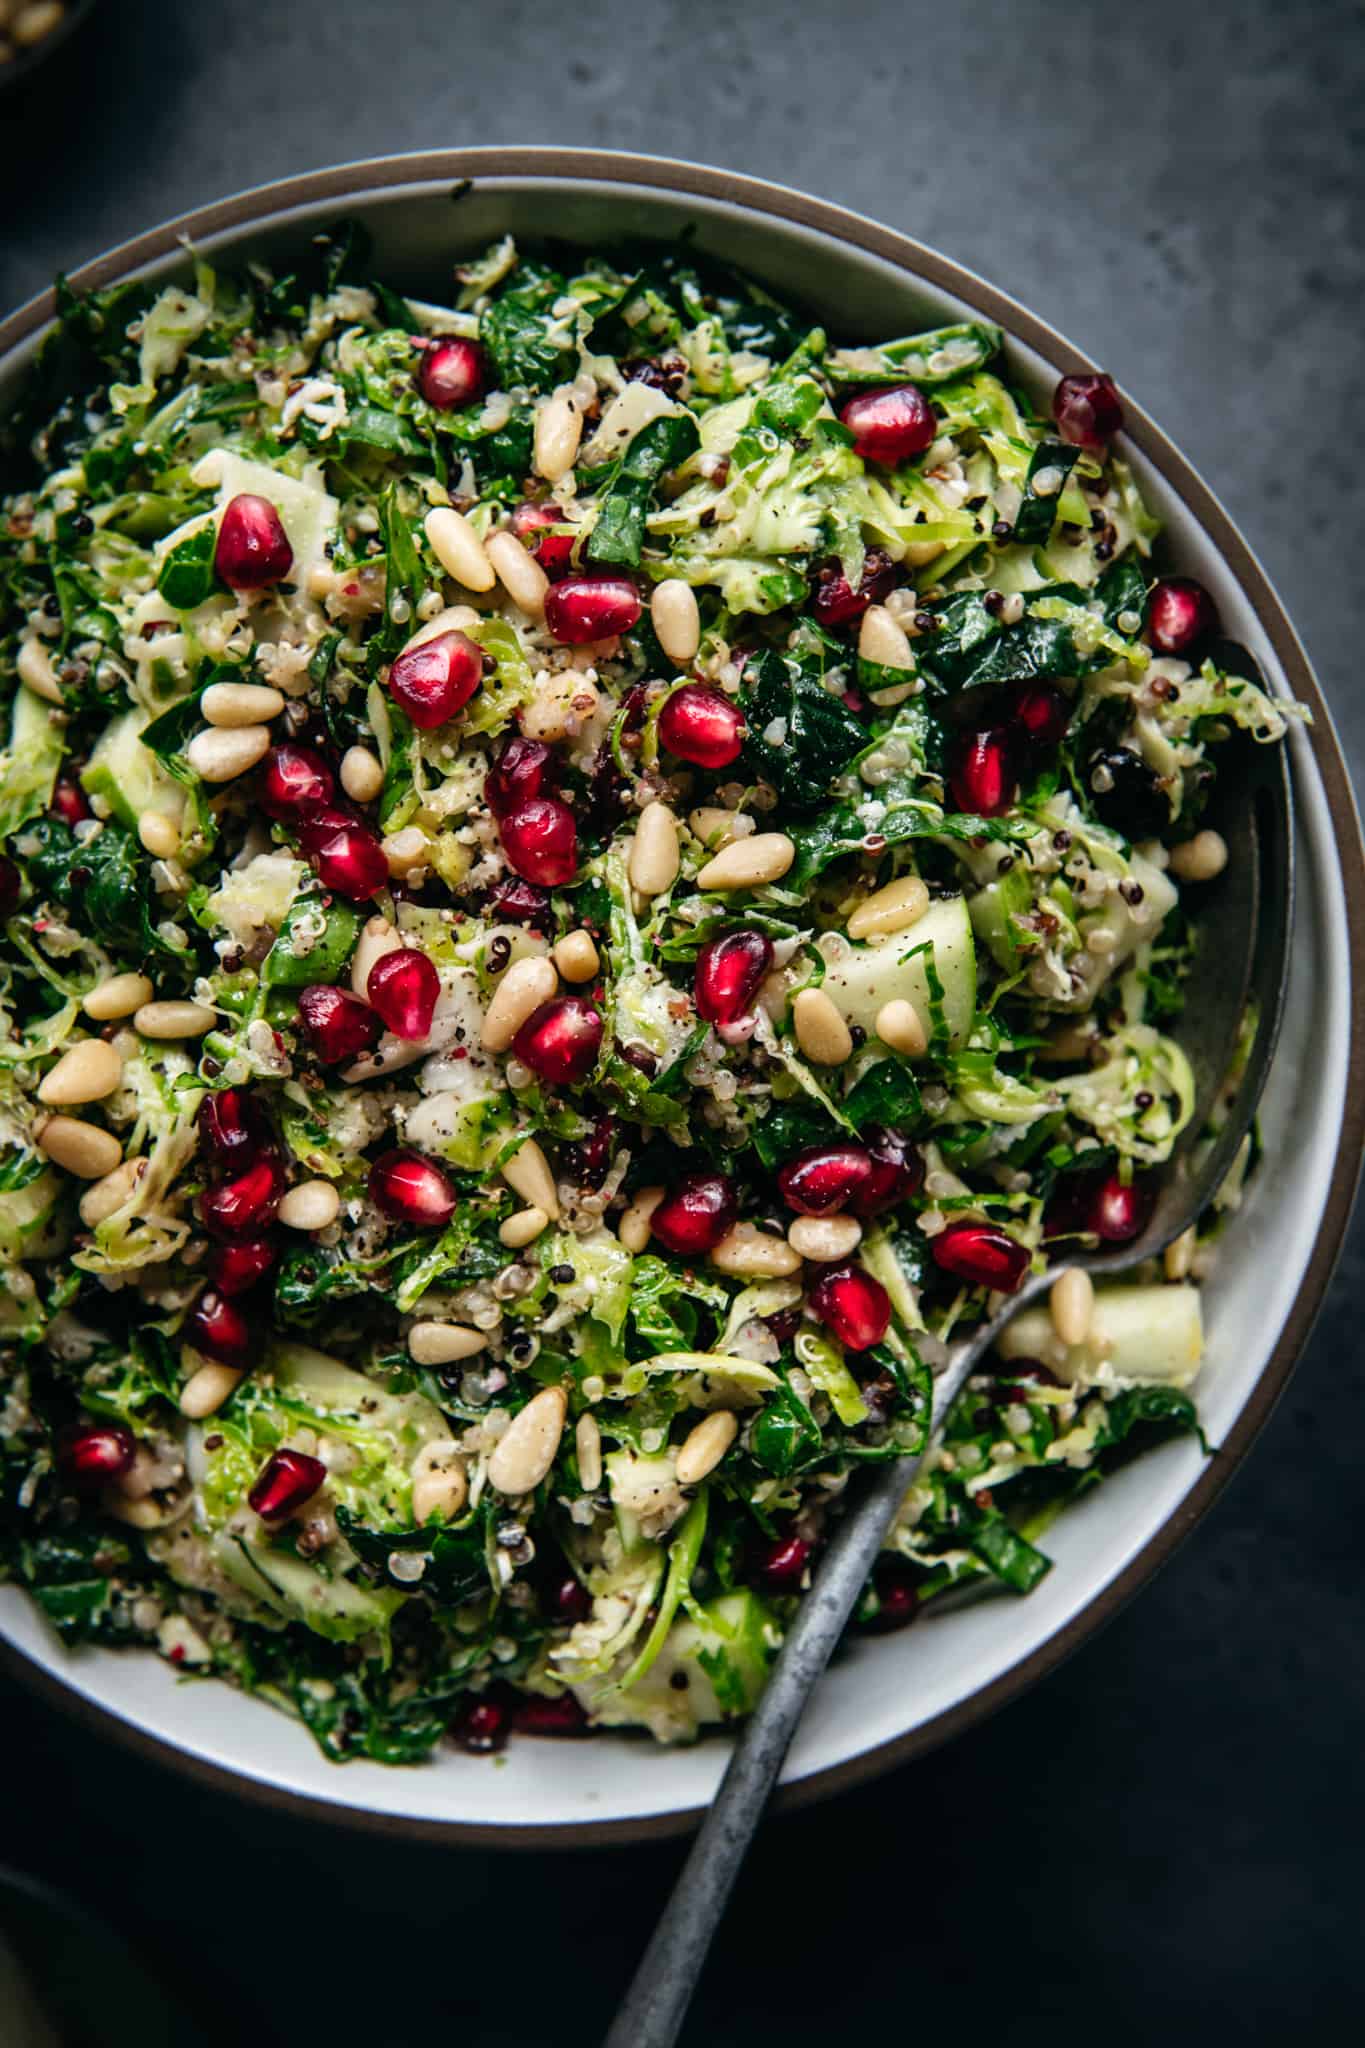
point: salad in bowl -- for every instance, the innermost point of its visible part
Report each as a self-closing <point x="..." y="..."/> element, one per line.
<point x="589" y="870"/>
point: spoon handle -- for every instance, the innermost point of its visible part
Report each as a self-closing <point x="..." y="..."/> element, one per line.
<point x="655" y="2006"/>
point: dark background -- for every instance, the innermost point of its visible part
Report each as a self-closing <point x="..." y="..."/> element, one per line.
<point x="1165" y="1836"/>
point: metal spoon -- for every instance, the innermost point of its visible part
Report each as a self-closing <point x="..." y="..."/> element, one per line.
<point x="1245" y="918"/>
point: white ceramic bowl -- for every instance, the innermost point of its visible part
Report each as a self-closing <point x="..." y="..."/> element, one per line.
<point x="895" y="1696"/>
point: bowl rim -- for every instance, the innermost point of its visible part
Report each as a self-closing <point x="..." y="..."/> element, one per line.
<point x="365" y="177"/>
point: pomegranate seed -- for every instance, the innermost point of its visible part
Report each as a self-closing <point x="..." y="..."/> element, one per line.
<point x="897" y="1600"/>
<point x="318" y="826"/>
<point x="1042" y="713"/>
<point x="1087" y="411"/>
<point x="242" y="1206"/>
<point x="411" y="1189"/>
<point x="286" y="1480"/>
<point x="335" y="1024"/>
<point x="233" y="1127"/>
<point x="480" y="1726"/>
<point x="432" y="681"/>
<point x="68" y="802"/>
<point x="696" y="1215"/>
<point x="729" y="973"/>
<point x="982" y="1255"/>
<point x="585" y="1163"/>
<point x="540" y="840"/>
<point x="570" y="1601"/>
<point x="89" y="1453"/>
<point x="297" y="782"/>
<point x="520" y="903"/>
<point x="403" y="987"/>
<point x="701" y="725"/>
<point x="824" y="1178"/>
<point x="982" y="778"/>
<point x="217" y="1327"/>
<point x="9" y="885"/>
<point x="236" y="1268"/>
<point x="553" y="551"/>
<point x="1101" y="1204"/>
<point x="896" y="1172"/>
<point x="252" y="548"/>
<point x="889" y="425"/>
<point x="524" y="769"/>
<point x="833" y="599"/>
<point x="784" y="1562"/>
<point x="350" y="859"/>
<point x="583" y="608"/>
<point x="536" y="1716"/>
<point x="452" y="373"/>
<point x="560" y="1040"/>
<point x="853" y="1305"/>
<point x="1181" y="614"/>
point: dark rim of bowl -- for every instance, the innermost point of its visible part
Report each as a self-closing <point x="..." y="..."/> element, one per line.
<point x="359" y="180"/>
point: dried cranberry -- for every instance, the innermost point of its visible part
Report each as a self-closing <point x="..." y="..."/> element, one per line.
<point x="982" y="1255"/>
<point x="412" y="1189"/>
<point x="90" y="1453"/>
<point x="982" y="775"/>
<point x="236" y="1268"/>
<point x="833" y="600"/>
<point x="242" y="1206"/>
<point x="1180" y="615"/>
<point x="336" y="1025"/>
<point x="403" y="987"/>
<point x="296" y="783"/>
<point x="285" y="1482"/>
<point x="698" y="723"/>
<point x="560" y="1041"/>
<point x="1087" y="411"/>
<point x="524" y="769"/>
<point x="432" y="680"/>
<point x="540" y="840"/>
<point x="824" y="1179"/>
<point x="580" y="609"/>
<point x="452" y="373"/>
<point x="252" y="548"/>
<point x="729" y="972"/>
<point x="853" y="1305"/>
<point x="889" y="425"/>
<point x="693" y="1218"/>
<point x="217" y="1327"/>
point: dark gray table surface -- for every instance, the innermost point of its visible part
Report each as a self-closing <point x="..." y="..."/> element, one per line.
<point x="1164" y="1836"/>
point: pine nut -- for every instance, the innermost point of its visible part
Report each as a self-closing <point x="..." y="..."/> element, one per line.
<point x="174" y="1020"/>
<point x="821" y="1032"/>
<point x="406" y="850"/>
<point x="362" y="775"/>
<point x="458" y="549"/>
<point x="825" y="1238"/>
<point x="442" y="1343"/>
<point x="82" y="1149"/>
<point x="241" y="703"/>
<point x="1178" y="1257"/>
<point x="526" y="1450"/>
<point x="749" y="863"/>
<point x="588" y="1444"/>
<point x="205" y="1391"/>
<point x="524" y="987"/>
<point x="87" y="1073"/>
<point x="751" y="1254"/>
<point x="576" y="956"/>
<point x="222" y="753"/>
<point x="716" y="827"/>
<point x="899" y="1026"/>
<point x="1201" y="858"/>
<point x="892" y="909"/>
<point x="456" y="618"/>
<point x="633" y="1229"/>
<point x="1072" y="1305"/>
<point x="118" y="997"/>
<point x="705" y="1446"/>
<point x="159" y="834"/>
<point x="881" y="640"/>
<point x="312" y="1205"/>
<point x="654" y="858"/>
<point x="528" y="1174"/>
<point x="135" y="1514"/>
<point x="103" y="1197"/>
<point x="523" y="1228"/>
<point x="677" y="622"/>
<point x="35" y="671"/>
<point x="558" y="431"/>
<point x="377" y="937"/>
<point x="439" y="1482"/>
<point x="519" y="572"/>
